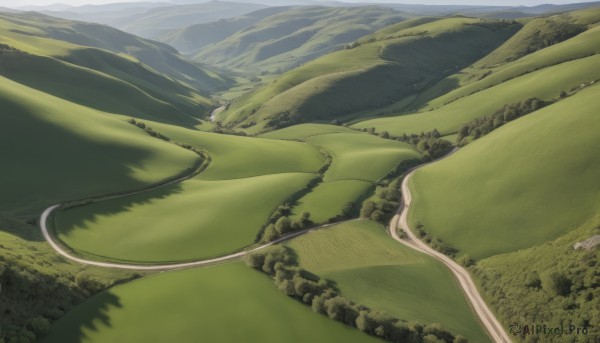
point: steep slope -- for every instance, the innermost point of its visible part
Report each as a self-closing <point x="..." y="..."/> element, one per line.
<point x="160" y="57"/>
<point x="529" y="182"/>
<point x="290" y="38"/>
<point x="93" y="77"/>
<point x="194" y="37"/>
<point x="369" y="75"/>
<point x="481" y="89"/>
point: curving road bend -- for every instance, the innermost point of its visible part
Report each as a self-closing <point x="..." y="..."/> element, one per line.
<point x="490" y="322"/>
<point x="149" y="267"/>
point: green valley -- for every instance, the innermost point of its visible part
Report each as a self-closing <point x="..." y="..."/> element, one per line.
<point x="314" y="172"/>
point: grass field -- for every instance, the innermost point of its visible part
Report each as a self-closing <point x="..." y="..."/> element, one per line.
<point x="235" y="157"/>
<point x="303" y="131"/>
<point x="226" y="303"/>
<point x="371" y="269"/>
<point x="328" y="199"/>
<point x="363" y="157"/>
<point x="530" y="181"/>
<point x="189" y="221"/>
<point x="72" y="151"/>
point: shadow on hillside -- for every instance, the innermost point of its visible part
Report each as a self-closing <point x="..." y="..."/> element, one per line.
<point x="82" y="217"/>
<point x="48" y="161"/>
<point x="92" y="315"/>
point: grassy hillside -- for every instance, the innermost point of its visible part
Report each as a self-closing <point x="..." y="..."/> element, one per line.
<point x="226" y="303"/>
<point x="159" y="57"/>
<point x="484" y="87"/>
<point x="234" y="157"/>
<point x="157" y="21"/>
<point x="546" y="84"/>
<point x="370" y="75"/>
<point x="358" y="156"/>
<point x="290" y="38"/>
<point x="530" y="181"/>
<point x="189" y="221"/>
<point x="114" y="82"/>
<point x="80" y="152"/>
<point x="370" y="268"/>
<point x="247" y="176"/>
<point x="359" y="160"/>
<point x="194" y="37"/>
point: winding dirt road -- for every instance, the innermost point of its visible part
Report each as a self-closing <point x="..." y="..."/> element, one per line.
<point x="491" y="324"/>
<point x="149" y="267"/>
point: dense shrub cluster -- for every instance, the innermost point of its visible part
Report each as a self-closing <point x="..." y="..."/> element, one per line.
<point x="551" y="284"/>
<point x="37" y="286"/>
<point x="322" y="297"/>
<point x="480" y="127"/>
<point x="387" y="203"/>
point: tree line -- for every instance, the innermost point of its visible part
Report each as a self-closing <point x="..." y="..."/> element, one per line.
<point x="480" y="127"/>
<point x="318" y="293"/>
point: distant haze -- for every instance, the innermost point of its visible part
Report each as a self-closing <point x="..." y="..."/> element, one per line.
<point x="17" y="3"/>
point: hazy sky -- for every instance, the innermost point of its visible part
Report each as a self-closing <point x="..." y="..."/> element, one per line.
<point x="16" y="3"/>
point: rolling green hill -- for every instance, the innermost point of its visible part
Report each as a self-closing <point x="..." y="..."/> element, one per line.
<point x="71" y="151"/>
<point x="189" y="221"/>
<point x="529" y="182"/>
<point x="482" y="88"/>
<point x="290" y="38"/>
<point x="114" y="82"/>
<point x="192" y="220"/>
<point x="158" y="56"/>
<point x="358" y="161"/>
<point x="368" y="267"/>
<point x="159" y="20"/>
<point x="370" y="75"/>
<point x="227" y="303"/>
<point x="194" y="37"/>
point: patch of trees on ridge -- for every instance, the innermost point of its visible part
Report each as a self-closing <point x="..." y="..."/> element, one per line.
<point x="311" y="290"/>
<point x="480" y="127"/>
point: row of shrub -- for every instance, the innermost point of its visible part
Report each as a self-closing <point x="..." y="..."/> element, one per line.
<point x="148" y="129"/>
<point x="311" y="290"/>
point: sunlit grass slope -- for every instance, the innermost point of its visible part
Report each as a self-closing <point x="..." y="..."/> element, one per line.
<point x="193" y="220"/>
<point x="227" y="303"/>
<point x="328" y="199"/>
<point x="292" y="37"/>
<point x="370" y="268"/>
<point x="360" y="156"/>
<point x="236" y="157"/>
<point x="54" y="150"/>
<point x="371" y="75"/>
<point x="158" y="56"/>
<point x="546" y="84"/>
<point x="528" y="182"/>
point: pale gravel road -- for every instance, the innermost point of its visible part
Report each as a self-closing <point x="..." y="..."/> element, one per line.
<point x="490" y="322"/>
